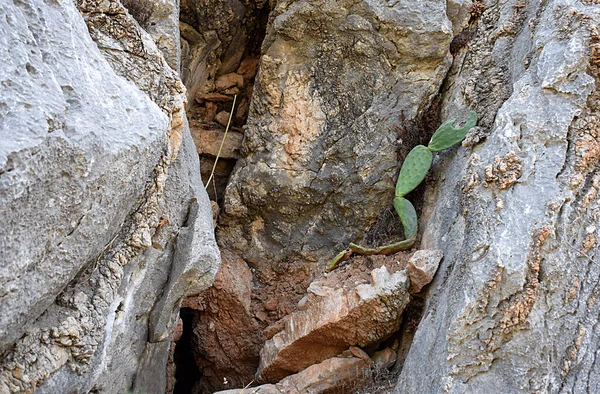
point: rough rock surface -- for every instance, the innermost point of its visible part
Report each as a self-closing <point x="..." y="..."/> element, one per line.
<point x="514" y="306"/>
<point x="336" y="374"/>
<point x="422" y="267"/>
<point x="95" y="175"/>
<point x="225" y="337"/>
<point x="216" y="34"/>
<point x="164" y="29"/>
<point x="160" y="18"/>
<point x="334" y="78"/>
<point x="356" y="313"/>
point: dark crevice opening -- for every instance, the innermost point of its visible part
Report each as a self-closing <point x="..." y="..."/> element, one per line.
<point x="187" y="373"/>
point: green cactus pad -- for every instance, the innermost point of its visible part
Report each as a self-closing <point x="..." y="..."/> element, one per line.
<point x="408" y="215"/>
<point x="447" y="136"/>
<point x="413" y="170"/>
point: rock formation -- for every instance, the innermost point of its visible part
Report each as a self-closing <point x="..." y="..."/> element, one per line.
<point x="514" y="305"/>
<point x="328" y="325"/>
<point x="225" y="337"/>
<point x="321" y="148"/>
<point x="106" y="225"/>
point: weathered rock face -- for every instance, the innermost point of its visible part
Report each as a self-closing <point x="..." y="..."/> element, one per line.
<point x="160" y="18"/>
<point x="97" y="179"/>
<point x="422" y="267"/>
<point x="354" y="313"/>
<point x="321" y="149"/>
<point x="514" y="307"/>
<point x="220" y="41"/>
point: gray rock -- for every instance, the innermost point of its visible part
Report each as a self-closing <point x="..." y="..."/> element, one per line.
<point x="321" y="149"/>
<point x="96" y="181"/>
<point x="514" y="306"/>
<point x="70" y="174"/>
<point x="163" y="26"/>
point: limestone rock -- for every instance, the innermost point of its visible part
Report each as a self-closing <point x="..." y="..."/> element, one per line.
<point x="249" y="67"/>
<point x="459" y="13"/>
<point x="330" y="375"/>
<point x="335" y="374"/>
<point x="349" y="315"/>
<point x="222" y="118"/>
<point x="97" y="172"/>
<point x="321" y="153"/>
<point x="198" y="60"/>
<point x="161" y="21"/>
<point x="514" y="305"/>
<point x="384" y="359"/>
<point x="215" y="97"/>
<point x="422" y="267"/>
<point x="216" y="34"/>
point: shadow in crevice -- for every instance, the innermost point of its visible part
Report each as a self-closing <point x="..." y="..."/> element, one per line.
<point x="187" y="372"/>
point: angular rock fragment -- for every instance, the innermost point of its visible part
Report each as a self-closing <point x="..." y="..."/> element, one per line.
<point x="422" y="267"/>
<point x="248" y="67"/>
<point x="335" y="374"/>
<point x="385" y="359"/>
<point x="216" y="97"/>
<point x="229" y="80"/>
<point x="356" y="315"/>
<point x="222" y="118"/>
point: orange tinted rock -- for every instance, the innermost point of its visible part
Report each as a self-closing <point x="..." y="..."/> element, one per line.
<point x="355" y="315"/>
<point x="228" y="81"/>
<point x="248" y="67"/>
<point x="215" y="97"/>
<point x="222" y="118"/>
<point x="208" y="140"/>
<point x="226" y="339"/>
<point x="335" y="375"/>
<point x="385" y="359"/>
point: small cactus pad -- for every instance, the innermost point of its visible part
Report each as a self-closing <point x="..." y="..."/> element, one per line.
<point x="408" y="215"/>
<point x="413" y="170"/>
<point x="447" y="136"/>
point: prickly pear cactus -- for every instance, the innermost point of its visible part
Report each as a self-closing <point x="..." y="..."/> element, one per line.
<point x="408" y="216"/>
<point x="447" y="136"/>
<point x="413" y="171"/>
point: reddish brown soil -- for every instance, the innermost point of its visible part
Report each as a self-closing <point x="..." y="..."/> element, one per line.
<point x="276" y="292"/>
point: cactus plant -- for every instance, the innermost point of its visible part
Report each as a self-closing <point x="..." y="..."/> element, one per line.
<point x="447" y="136"/>
<point x="413" y="171"/>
